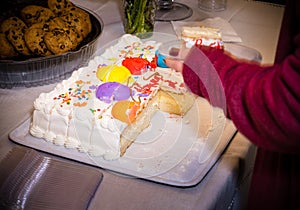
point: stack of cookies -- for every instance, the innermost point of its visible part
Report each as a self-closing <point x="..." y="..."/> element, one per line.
<point x="44" y="31"/>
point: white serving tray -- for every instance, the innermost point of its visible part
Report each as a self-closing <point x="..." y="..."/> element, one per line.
<point x="181" y="151"/>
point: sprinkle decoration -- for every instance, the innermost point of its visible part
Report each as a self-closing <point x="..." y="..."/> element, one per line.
<point x="93" y="111"/>
<point x="77" y="95"/>
<point x="138" y="59"/>
<point x="136" y="50"/>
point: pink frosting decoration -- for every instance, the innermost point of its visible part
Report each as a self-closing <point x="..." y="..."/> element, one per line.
<point x="112" y="91"/>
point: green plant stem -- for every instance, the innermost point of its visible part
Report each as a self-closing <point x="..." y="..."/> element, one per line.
<point x="138" y="18"/>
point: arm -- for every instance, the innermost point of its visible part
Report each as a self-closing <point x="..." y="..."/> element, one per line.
<point x="263" y="102"/>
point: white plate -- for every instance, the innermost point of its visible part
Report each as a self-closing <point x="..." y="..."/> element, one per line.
<point x="243" y="52"/>
<point x="171" y="48"/>
<point x="180" y="153"/>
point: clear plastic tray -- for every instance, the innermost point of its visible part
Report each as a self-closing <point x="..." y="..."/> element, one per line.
<point x="45" y="70"/>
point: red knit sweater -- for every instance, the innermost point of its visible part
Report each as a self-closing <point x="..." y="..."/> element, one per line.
<point x="264" y="104"/>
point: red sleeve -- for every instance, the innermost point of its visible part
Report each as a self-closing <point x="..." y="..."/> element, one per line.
<point x="263" y="102"/>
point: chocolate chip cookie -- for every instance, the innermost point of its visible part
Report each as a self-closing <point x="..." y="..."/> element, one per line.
<point x="42" y="25"/>
<point x="58" y="41"/>
<point x="34" y="14"/>
<point x="16" y="37"/>
<point x="14" y="29"/>
<point x="12" y="22"/>
<point x="59" y="24"/>
<point x="58" y="6"/>
<point x="34" y="39"/>
<point x="6" y="49"/>
<point x="78" y="19"/>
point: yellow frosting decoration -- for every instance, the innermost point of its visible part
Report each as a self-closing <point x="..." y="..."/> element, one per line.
<point x="113" y="73"/>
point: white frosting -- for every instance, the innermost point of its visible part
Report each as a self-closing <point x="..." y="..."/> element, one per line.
<point x="200" y="32"/>
<point x="59" y="124"/>
<point x="36" y="131"/>
<point x="72" y="139"/>
<point x="103" y="141"/>
<point x="59" y="140"/>
<point x="72" y="115"/>
<point x="49" y="136"/>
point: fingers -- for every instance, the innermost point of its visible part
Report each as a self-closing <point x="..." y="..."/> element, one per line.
<point x="177" y="65"/>
<point x="176" y="62"/>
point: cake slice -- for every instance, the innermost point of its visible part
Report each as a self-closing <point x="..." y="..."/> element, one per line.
<point x="201" y="35"/>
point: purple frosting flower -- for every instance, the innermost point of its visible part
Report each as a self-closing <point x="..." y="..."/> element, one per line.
<point x="112" y="91"/>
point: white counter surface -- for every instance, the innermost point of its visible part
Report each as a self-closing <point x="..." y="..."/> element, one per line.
<point x="225" y="186"/>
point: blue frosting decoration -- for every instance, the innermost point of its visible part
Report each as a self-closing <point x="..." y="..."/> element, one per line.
<point x="161" y="60"/>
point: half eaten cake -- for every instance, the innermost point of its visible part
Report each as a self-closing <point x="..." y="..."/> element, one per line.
<point x="103" y="107"/>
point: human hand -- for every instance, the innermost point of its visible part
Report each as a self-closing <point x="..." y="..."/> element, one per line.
<point x="174" y="53"/>
<point x="175" y="64"/>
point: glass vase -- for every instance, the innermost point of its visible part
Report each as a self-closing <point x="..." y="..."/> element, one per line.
<point x="139" y="17"/>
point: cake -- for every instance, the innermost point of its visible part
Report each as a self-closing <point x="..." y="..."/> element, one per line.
<point x="103" y="107"/>
<point x="202" y="35"/>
